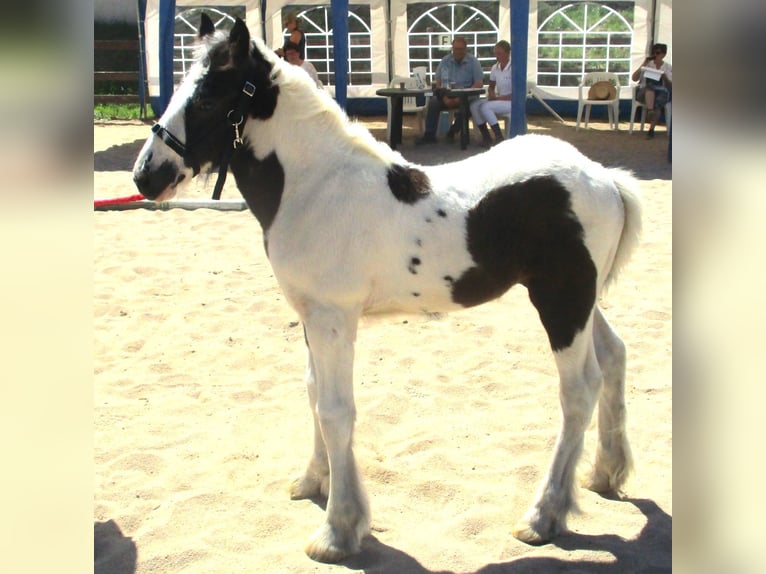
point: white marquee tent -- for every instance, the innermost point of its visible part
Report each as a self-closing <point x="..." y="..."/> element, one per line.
<point x="388" y="30"/>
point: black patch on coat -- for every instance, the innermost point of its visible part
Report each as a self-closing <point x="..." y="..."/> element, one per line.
<point x="209" y="131"/>
<point x="527" y="233"/>
<point x="441" y="213"/>
<point x="409" y="185"/>
<point x="261" y="183"/>
<point x="413" y="265"/>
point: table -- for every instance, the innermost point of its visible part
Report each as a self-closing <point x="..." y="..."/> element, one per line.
<point x="397" y="96"/>
<point x="464" y="94"/>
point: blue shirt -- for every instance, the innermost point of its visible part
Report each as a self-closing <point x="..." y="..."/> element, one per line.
<point x="463" y="73"/>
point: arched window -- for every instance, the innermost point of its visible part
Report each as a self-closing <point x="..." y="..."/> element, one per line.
<point x="186" y="30"/>
<point x="575" y="38"/>
<point x="316" y="23"/>
<point x="429" y="37"/>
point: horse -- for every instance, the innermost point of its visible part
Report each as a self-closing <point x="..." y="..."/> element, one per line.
<point x="351" y="229"/>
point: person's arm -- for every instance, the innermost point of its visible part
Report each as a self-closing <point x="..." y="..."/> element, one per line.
<point x="637" y="74"/>
<point x="296" y="36"/>
<point x="478" y="74"/>
<point x="437" y="83"/>
<point x="491" y="90"/>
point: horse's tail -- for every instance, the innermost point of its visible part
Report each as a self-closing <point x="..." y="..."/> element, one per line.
<point x="630" y="193"/>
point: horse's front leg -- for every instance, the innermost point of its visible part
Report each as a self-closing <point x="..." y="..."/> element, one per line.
<point x="316" y="480"/>
<point x="330" y="333"/>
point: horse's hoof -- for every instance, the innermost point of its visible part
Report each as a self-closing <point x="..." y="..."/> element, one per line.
<point x="605" y="484"/>
<point x="524" y="532"/>
<point x="309" y="486"/>
<point x="327" y="546"/>
<point x="598" y="482"/>
<point x="536" y="530"/>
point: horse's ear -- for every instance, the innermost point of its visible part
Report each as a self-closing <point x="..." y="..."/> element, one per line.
<point x="239" y="41"/>
<point x="206" y="26"/>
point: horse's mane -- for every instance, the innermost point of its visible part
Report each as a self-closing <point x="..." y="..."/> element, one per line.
<point x="299" y="98"/>
<point x="304" y="102"/>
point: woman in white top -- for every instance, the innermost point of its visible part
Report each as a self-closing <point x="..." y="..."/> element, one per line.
<point x="654" y="93"/>
<point x="293" y="55"/>
<point x="498" y="96"/>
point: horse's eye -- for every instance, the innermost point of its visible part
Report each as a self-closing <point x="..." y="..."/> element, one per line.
<point x="205" y="105"/>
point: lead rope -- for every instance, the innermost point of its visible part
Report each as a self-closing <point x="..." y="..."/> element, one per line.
<point x="236" y="121"/>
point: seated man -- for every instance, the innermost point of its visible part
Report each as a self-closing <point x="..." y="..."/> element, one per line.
<point x="458" y="69"/>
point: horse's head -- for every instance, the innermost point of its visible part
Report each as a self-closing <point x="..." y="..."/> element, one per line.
<point x="230" y="82"/>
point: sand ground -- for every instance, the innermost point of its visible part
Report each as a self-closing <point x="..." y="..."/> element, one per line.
<point x="201" y="416"/>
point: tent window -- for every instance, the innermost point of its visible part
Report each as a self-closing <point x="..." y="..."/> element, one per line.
<point x="316" y="23"/>
<point x="187" y="27"/>
<point x="580" y="37"/>
<point x="432" y="27"/>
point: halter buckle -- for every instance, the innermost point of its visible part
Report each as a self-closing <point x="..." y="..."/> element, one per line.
<point x="248" y="89"/>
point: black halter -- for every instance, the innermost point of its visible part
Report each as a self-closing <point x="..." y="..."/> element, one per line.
<point x="236" y="118"/>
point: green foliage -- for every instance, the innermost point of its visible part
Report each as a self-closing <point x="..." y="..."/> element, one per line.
<point x="595" y="12"/>
<point x="116" y="112"/>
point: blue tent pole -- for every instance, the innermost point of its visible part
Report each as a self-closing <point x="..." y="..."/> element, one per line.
<point x="141" y="10"/>
<point x="167" y="31"/>
<point x="519" y="48"/>
<point x="340" y="49"/>
<point x="263" y="20"/>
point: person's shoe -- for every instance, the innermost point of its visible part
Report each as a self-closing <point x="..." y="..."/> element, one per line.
<point x="650" y="134"/>
<point x="426" y="139"/>
<point x="498" y="134"/>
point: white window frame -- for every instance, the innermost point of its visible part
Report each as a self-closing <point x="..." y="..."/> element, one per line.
<point x="586" y="64"/>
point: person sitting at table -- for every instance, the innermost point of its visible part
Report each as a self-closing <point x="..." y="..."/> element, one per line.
<point x="458" y="69"/>
<point x="293" y="55"/>
<point x="498" y="96"/>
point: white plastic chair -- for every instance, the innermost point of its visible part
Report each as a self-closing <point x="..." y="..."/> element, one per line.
<point x="636" y="105"/>
<point x="584" y="104"/>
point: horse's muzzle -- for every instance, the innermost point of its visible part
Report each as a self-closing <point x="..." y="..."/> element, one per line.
<point x="153" y="183"/>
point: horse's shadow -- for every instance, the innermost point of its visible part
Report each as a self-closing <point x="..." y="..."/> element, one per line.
<point x="119" y="157"/>
<point x="651" y="551"/>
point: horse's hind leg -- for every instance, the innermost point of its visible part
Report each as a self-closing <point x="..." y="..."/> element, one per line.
<point x="580" y="381"/>
<point x="331" y="333"/>
<point x="613" y="460"/>
<point x="316" y="480"/>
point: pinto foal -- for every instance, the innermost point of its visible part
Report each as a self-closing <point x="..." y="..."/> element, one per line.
<point x="351" y="228"/>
